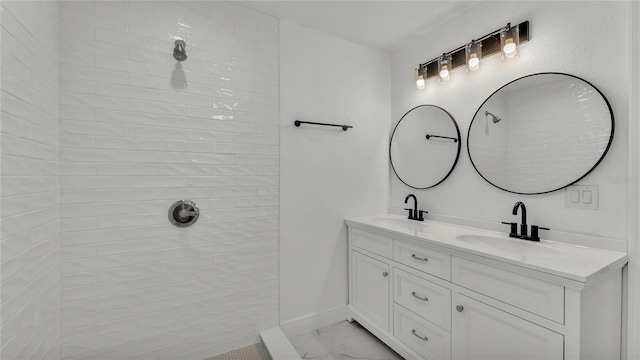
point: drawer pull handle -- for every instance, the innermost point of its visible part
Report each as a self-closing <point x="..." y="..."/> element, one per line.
<point x="459" y="308"/>
<point x="419" y="258"/>
<point x="385" y="274"/>
<point x="413" y="331"/>
<point x="413" y="293"/>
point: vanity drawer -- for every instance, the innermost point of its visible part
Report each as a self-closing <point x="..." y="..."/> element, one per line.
<point x="417" y="257"/>
<point x="375" y="243"/>
<point x="423" y="337"/>
<point x="527" y="293"/>
<point x="431" y="301"/>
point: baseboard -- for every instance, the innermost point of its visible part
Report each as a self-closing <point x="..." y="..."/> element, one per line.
<point x="310" y="322"/>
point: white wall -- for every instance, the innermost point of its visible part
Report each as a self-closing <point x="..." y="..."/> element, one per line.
<point x="569" y="37"/>
<point x="633" y="347"/>
<point x="327" y="174"/>
<point x="30" y="170"/>
<point x="140" y="130"/>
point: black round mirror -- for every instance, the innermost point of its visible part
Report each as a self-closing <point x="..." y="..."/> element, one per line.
<point x="540" y="133"/>
<point x="424" y="146"/>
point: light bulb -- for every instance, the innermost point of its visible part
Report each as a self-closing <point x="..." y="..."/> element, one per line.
<point x="444" y="67"/>
<point x="473" y="54"/>
<point x="420" y="82"/>
<point x="474" y="62"/>
<point x="444" y="72"/>
<point x="509" y="48"/>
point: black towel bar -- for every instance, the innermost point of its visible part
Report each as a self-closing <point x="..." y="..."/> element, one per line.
<point x="344" y="127"/>
<point x="442" y="137"/>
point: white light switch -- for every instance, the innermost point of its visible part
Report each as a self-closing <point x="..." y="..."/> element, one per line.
<point x="575" y="196"/>
<point x="582" y="197"/>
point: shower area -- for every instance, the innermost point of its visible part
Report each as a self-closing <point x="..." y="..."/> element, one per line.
<point x="110" y="112"/>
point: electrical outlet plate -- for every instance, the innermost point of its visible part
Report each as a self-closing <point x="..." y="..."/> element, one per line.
<point x="581" y="197"/>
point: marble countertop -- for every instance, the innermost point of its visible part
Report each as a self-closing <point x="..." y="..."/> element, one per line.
<point x="573" y="262"/>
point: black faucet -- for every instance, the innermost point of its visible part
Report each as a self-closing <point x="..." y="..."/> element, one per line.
<point x="415" y="214"/>
<point x="523" y="226"/>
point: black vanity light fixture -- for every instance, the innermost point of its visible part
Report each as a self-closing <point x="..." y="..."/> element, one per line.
<point x="505" y="40"/>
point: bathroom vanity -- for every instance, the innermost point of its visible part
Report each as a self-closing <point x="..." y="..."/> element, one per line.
<point x="432" y="290"/>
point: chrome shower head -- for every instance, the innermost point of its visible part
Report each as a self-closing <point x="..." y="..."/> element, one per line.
<point x="179" y="51"/>
<point x="495" y="119"/>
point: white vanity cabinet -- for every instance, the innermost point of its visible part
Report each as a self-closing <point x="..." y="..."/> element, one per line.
<point x="428" y="298"/>
<point x="486" y="332"/>
<point x="370" y="277"/>
<point x="370" y="290"/>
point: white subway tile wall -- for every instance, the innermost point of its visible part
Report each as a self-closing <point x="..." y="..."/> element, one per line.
<point x="140" y="130"/>
<point x="30" y="182"/>
<point x="534" y="160"/>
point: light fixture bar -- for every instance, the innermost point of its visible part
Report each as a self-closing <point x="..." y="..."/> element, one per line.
<point x="490" y="46"/>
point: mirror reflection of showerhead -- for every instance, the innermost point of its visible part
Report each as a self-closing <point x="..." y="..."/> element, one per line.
<point x="494" y="118"/>
<point x="179" y="51"/>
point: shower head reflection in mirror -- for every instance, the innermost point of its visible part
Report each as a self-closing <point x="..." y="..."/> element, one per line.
<point x="495" y="119"/>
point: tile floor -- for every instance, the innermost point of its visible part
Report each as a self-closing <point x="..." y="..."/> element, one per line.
<point x="342" y="341"/>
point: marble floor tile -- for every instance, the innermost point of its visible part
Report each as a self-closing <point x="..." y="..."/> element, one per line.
<point x="342" y="341"/>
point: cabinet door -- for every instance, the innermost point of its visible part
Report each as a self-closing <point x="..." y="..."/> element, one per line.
<point x="482" y="332"/>
<point x="370" y="288"/>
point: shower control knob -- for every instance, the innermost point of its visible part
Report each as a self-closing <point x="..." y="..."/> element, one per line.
<point x="183" y="213"/>
<point x="459" y="308"/>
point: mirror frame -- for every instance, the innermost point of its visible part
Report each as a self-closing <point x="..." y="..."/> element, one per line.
<point x="606" y="150"/>
<point x="455" y="124"/>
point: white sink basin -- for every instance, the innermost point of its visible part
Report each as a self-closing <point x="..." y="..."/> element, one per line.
<point x="406" y="224"/>
<point x="521" y="247"/>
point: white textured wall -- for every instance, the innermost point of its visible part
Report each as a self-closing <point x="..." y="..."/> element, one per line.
<point x="140" y="130"/>
<point x="633" y="290"/>
<point x="30" y="170"/>
<point x="327" y="174"/>
<point x="570" y="37"/>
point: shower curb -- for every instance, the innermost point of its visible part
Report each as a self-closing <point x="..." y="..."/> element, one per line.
<point x="278" y="345"/>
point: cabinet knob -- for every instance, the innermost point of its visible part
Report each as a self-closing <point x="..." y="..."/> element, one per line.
<point x="459" y="308"/>
<point x="385" y="274"/>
